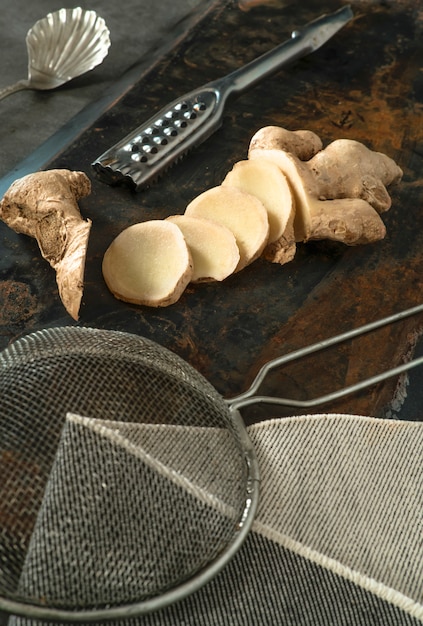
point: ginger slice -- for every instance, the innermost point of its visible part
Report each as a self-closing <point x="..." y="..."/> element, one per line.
<point x="148" y="263"/>
<point x="213" y="247"/>
<point x="44" y="205"/>
<point x="242" y="213"/>
<point x="302" y="184"/>
<point x="266" y="181"/>
<point x="349" y="220"/>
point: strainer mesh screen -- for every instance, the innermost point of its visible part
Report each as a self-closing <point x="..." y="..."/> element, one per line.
<point x="122" y="473"/>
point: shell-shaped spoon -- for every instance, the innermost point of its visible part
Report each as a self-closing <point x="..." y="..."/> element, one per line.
<point x="61" y="46"/>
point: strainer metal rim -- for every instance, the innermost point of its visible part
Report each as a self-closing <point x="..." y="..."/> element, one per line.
<point x="176" y="594"/>
<point x="179" y="592"/>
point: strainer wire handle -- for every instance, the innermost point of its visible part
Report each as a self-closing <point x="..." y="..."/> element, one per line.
<point x="248" y="397"/>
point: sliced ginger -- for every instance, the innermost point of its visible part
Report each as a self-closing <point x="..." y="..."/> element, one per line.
<point x="213" y="247"/>
<point x="148" y="263"/>
<point x="242" y="213"/>
<point x="44" y="205"/>
<point x="266" y="181"/>
<point x="301" y="182"/>
<point x="289" y="190"/>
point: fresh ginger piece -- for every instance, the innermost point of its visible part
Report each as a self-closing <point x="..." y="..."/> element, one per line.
<point x="266" y="181"/>
<point x="349" y="220"/>
<point x="148" y="263"/>
<point x="213" y="247"/>
<point x="303" y="143"/>
<point x="243" y="214"/>
<point x="44" y="205"/>
<point x="302" y="185"/>
<point x="348" y="169"/>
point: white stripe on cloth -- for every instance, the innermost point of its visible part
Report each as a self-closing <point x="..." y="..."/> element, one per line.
<point x="346" y="492"/>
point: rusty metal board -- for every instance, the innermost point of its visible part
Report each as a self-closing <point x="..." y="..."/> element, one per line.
<point x="365" y="84"/>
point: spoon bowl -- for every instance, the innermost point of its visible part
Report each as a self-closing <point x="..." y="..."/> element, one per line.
<point x="62" y="46"/>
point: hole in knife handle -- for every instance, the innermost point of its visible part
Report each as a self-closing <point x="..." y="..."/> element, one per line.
<point x="169" y="124"/>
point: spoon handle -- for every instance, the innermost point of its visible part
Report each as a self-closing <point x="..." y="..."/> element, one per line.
<point x="7" y="91"/>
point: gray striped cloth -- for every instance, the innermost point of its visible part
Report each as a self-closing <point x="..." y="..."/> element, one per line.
<point x="338" y="538"/>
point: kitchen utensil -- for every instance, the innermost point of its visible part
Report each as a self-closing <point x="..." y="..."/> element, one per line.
<point x="127" y="481"/>
<point x="62" y="46"/>
<point x="188" y="121"/>
<point x="249" y="396"/>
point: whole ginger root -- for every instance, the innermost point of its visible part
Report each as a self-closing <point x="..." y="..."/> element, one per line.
<point x="340" y="190"/>
<point x="44" y="205"/>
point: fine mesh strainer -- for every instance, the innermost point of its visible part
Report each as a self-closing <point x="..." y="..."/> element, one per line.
<point x="127" y="481"/>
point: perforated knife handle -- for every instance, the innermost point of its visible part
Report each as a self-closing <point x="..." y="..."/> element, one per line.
<point x="151" y="148"/>
<point x="141" y="156"/>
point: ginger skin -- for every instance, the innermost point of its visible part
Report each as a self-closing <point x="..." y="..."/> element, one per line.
<point x="348" y="169"/>
<point x="283" y="249"/>
<point x="44" y="205"/>
<point x="303" y="143"/>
